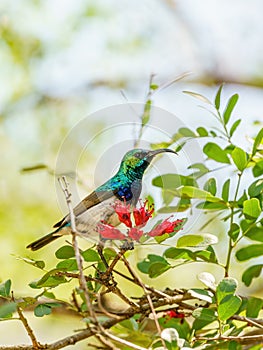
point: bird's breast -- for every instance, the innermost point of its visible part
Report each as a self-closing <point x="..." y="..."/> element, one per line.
<point x="87" y="222"/>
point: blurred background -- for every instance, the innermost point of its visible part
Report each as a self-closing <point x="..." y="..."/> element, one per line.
<point x="62" y="62"/>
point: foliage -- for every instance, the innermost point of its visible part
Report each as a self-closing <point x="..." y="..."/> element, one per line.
<point x="214" y="316"/>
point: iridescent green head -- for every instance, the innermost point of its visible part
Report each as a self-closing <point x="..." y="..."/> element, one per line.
<point x="135" y="162"/>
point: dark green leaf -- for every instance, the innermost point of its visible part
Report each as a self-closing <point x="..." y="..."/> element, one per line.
<point x="239" y="158"/>
<point x="242" y="199"/>
<point x="234" y="231"/>
<point x="186" y="132"/>
<point x="68" y="265"/>
<point x="251" y="208"/>
<point x="255" y="233"/>
<point x="234" y="127"/>
<point x="258" y="169"/>
<point x="225" y="190"/>
<point x="144" y="265"/>
<point x="206" y="255"/>
<point x="250" y="273"/>
<point x="202" y="132"/>
<point x="249" y="252"/>
<point x="203" y="317"/>
<point x="65" y="252"/>
<point x="218" y="97"/>
<point x="158" y="268"/>
<point x="257" y="141"/>
<point x="225" y="287"/>
<point x="254" y="305"/>
<point x="229" y="108"/>
<point x="228" y="307"/>
<point x="215" y="152"/>
<point x="90" y="255"/>
<point x="256" y="188"/>
<point x="7" y="309"/>
<point x="5" y="288"/>
<point x="42" y="310"/>
<point x="210" y="186"/>
<point x="179" y="253"/>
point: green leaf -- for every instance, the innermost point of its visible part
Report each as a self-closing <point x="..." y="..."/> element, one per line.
<point x="225" y="190"/>
<point x="200" y="240"/>
<point x="154" y="86"/>
<point x="65" y="252"/>
<point x="229" y="108"/>
<point x="250" y="251"/>
<point x="234" y="231"/>
<point x="212" y="206"/>
<point x="256" y="188"/>
<point x="146" y="112"/>
<point x="172" y="181"/>
<point x="255" y="233"/>
<point x="215" y="152"/>
<point x="179" y="253"/>
<point x="239" y="158"/>
<point x="210" y="186"/>
<point x="251" y="208"/>
<point x="234" y="127"/>
<point x="218" y="97"/>
<point x="228" y="307"/>
<point x="202" y="132"/>
<point x="5" y="288"/>
<point x="186" y="132"/>
<point x="42" y="310"/>
<point x="193" y="192"/>
<point x="144" y="265"/>
<point x="158" y="268"/>
<point x="254" y="305"/>
<point x="258" y="169"/>
<point x="250" y="273"/>
<point x="7" y="309"/>
<point x="257" y="142"/>
<point x="90" y="255"/>
<point x="40" y="264"/>
<point x="225" y="287"/>
<point x="198" y="96"/>
<point x="68" y="265"/>
<point x="203" y="317"/>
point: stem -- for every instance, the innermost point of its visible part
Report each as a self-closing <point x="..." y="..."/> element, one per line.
<point x="230" y="242"/>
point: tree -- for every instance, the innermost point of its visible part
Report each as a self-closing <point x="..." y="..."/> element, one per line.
<point x="215" y="316"/>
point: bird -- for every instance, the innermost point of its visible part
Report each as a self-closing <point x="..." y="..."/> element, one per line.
<point x="98" y="206"/>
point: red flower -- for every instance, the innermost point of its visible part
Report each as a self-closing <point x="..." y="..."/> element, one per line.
<point x="110" y="232"/>
<point x="175" y="314"/>
<point x="142" y="215"/>
<point x="135" y="233"/>
<point x="166" y="227"/>
<point x="123" y="211"/>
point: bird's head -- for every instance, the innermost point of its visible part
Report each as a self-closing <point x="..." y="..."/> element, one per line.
<point x="135" y="162"/>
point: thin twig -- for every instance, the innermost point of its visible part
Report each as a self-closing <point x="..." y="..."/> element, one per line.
<point x="148" y="298"/>
<point x="29" y="330"/>
<point x="82" y="280"/>
<point x="124" y="342"/>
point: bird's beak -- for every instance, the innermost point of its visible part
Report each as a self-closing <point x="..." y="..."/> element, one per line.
<point x="158" y="151"/>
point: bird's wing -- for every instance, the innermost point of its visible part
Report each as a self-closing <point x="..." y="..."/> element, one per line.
<point x="88" y="202"/>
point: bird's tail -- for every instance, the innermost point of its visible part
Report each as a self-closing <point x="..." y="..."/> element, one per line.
<point x="41" y="242"/>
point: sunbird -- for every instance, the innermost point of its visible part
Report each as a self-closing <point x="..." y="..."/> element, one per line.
<point x="98" y="206"/>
